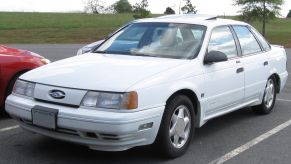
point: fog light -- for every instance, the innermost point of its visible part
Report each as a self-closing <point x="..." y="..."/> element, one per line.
<point x="146" y="126"/>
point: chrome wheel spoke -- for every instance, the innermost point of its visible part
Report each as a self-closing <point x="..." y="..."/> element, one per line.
<point x="183" y="136"/>
<point x="186" y="121"/>
<point x="172" y="131"/>
<point x="180" y="126"/>
<point x="174" y="119"/>
<point x="269" y="93"/>
<point x="181" y="112"/>
<point x="176" y="140"/>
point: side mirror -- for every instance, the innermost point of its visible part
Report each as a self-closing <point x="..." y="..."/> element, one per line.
<point x="214" y="57"/>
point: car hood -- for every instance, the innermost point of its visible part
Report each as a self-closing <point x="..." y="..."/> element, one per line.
<point x="16" y="52"/>
<point x="11" y="51"/>
<point x="103" y="72"/>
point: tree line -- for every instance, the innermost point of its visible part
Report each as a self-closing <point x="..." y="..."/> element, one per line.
<point x="262" y="10"/>
<point x="139" y="9"/>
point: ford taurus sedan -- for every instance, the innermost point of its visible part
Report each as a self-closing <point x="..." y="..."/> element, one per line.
<point x="152" y="82"/>
<point x="13" y="63"/>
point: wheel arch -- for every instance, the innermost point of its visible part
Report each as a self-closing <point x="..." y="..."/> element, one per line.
<point x="194" y="99"/>
<point x="278" y="81"/>
<point x="13" y="78"/>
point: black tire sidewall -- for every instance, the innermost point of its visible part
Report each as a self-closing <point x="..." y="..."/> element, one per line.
<point x="262" y="108"/>
<point x="9" y="91"/>
<point x="163" y="139"/>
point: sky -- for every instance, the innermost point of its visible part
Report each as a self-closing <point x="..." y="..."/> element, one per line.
<point x="211" y="7"/>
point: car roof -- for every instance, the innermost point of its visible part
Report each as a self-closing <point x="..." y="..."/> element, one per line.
<point x="206" y="20"/>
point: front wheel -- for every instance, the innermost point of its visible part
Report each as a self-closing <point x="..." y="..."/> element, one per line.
<point x="9" y="91"/>
<point x="269" y="98"/>
<point x="177" y="127"/>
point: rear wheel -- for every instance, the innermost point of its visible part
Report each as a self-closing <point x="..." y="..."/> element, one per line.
<point x="177" y="127"/>
<point x="269" y="98"/>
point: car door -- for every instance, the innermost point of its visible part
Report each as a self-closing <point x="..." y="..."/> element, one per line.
<point x="256" y="64"/>
<point x="224" y="81"/>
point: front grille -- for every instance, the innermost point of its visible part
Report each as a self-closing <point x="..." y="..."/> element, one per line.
<point x="56" y="103"/>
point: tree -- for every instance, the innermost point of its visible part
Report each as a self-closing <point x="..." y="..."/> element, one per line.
<point x="289" y="14"/>
<point x="189" y="8"/>
<point x="122" y="6"/>
<point x="169" y="10"/>
<point x="140" y="10"/>
<point x="262" y="10"/>
<point x="94" y="6"/>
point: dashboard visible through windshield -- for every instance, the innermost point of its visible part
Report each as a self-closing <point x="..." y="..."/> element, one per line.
<point x="165" y="40"/>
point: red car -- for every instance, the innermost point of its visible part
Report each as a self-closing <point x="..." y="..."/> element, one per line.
<point x="13" y="63"/>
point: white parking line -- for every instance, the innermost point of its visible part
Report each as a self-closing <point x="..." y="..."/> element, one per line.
<point x="284" y="100"/>
<point x="9" y="128"/>
<point x="250" y="144"/>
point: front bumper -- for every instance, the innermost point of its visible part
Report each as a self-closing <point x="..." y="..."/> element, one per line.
<point x="100" y="130"/>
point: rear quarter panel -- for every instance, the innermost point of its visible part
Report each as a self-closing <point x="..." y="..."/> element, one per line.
<point x="277" y="60"/>
<point x="278" y="64"/>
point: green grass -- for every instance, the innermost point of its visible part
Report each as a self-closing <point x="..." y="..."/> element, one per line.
<point x="86" y="28"/>
<point x="57" y="27"/>
<point x="278" y="31"/>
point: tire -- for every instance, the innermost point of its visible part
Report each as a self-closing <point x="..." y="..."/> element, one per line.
<point x="9" y="91"/>
<point x="269" y="98"/>
<point x="177" y="127"/>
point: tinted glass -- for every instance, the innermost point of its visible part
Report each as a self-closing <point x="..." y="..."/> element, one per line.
<point x="247" y="41"/>
<point x="222" y="40"/>
<point x="263" y="41"/>
<point x="167" y="40"/>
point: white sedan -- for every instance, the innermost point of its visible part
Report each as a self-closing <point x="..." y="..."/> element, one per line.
<point x="154" y="81"/>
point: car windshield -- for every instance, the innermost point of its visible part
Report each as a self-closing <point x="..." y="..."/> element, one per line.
<point x="166" y="40"/>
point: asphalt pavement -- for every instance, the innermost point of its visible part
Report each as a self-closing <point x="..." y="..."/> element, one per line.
<point x="241" y="135"/>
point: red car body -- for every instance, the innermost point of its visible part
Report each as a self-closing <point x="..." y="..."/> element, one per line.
<point x="13" y="63"/>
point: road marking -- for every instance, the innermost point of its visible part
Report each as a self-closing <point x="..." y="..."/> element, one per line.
<point x="9" y="128"/>
<point x="250" y="144"/>
<point x="284" y="100"/>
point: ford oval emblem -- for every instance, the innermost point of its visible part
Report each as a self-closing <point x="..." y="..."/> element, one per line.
<point x="57" y="94"/>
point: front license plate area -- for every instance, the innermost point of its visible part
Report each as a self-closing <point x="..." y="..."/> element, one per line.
<point x="44" y="117"/>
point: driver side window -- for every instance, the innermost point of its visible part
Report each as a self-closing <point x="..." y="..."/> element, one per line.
<point x="222" y="40"/>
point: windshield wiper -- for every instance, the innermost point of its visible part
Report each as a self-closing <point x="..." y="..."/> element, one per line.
<point x="141" y="54"/>
<point x="101" y="52"/>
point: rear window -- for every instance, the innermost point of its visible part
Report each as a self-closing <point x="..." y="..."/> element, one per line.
<point x="247" y="40"/>
<point x="263" y="41"/>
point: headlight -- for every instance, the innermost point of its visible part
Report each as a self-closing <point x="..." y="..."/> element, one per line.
<point x="24" y="88"/>
<point x="110" y="100"/>
<point x="80" y="52"/>
<point x="45" y="61"/>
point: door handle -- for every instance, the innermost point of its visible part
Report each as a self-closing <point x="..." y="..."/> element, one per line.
<point x="239" y="70"/>
<point x="266" y="63"/>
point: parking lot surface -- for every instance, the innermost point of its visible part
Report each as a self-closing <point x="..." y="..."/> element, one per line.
<point x="240" y="137"/>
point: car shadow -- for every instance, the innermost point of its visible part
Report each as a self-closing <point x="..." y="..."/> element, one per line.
<point x="3" y="115"/>
<point x="65" y="152"/>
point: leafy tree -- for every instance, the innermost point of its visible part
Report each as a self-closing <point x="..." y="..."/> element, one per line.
<point x="169" y="10"/>
<point x="140" y="10"/>
<point x="94" y="6"/>
<point x="289" y="14"/>
<point x="122" y="6"/>
<point x="189" y="8"/>
<point x="262" y="10"/>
